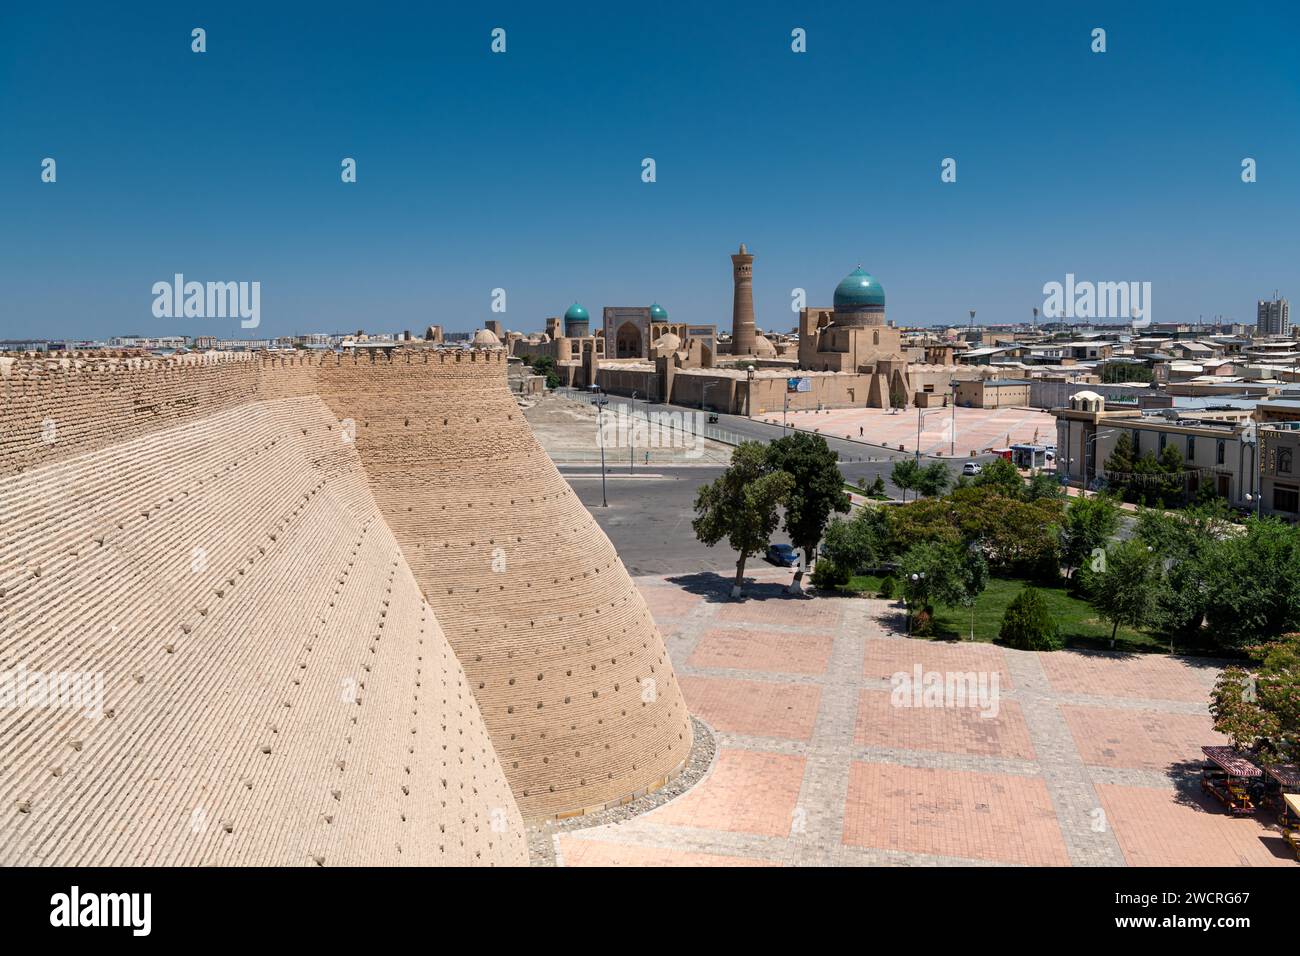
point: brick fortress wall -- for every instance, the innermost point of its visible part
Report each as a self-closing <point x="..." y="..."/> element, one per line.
<point x="568" y="669"/>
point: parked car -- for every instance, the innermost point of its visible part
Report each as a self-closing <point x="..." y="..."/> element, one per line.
<point x="971" y="468"/>
<point x="783" y="555"/>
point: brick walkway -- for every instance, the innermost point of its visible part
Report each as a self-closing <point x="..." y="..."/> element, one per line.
<point x="1085" y="759"/>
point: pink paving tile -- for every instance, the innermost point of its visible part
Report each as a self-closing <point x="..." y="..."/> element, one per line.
<point x="820" y="613"/>
<point x="581" y="851"/>
<point x="1156" y="827"/>
<point x="754" y="650"/>
<point x="1139" y="739"/>
<point x="974" y="816"/>
<point x="886" y="657"/>
<point x="754" y="708"/>
<point x="1149" y="677"/>
<point x="669" y="601"/>
<point x="958" y="730"/>
<point x="747" y="792"/>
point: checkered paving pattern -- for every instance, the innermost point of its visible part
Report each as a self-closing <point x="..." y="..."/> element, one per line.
<point x="1139" y="739"/>
<point x="953" y="813"/>
<point x="772" y="651"/>
<point x="754" y="708"/>
<point x="958" y="730"/>
<point x="1088" y="758"/>
<point x="1140" y="677"/>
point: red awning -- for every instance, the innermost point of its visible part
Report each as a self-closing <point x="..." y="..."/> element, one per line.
<point x="1233" y="763"/>
<point x="1287" y="774"/>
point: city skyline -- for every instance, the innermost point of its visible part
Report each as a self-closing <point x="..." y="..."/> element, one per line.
<point x="1122" y="166"/>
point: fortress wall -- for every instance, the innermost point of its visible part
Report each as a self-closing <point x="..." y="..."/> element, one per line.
<point x="569" y="671"/>
<point x="571" y="674"/>
<point x="275" y="688"/>
<point x="53" y="409"/>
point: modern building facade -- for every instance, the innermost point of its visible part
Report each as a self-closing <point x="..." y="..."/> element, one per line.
<point x="1273" y="317"/>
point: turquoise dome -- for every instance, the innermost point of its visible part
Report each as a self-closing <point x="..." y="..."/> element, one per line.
<point x="576" y="313"/>
<point x="859" y="289"/>
<point x="658" y="313"/>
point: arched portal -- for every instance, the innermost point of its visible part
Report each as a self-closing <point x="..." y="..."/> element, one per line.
<point x="627" y="341"/>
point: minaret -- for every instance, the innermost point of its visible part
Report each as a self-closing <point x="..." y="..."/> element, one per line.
<point x="742" y="304"/>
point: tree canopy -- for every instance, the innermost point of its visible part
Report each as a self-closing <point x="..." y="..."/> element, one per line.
<point x="741" y="505"/>
<point x="817" y="488"/>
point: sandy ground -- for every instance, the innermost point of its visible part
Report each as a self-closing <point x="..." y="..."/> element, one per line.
<point x="567" y="430"/>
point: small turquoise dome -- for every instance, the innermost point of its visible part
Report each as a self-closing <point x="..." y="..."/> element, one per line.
<point x="576" y="313"/>
<point x="658" y="313"/>
<point x="859" y="289"/>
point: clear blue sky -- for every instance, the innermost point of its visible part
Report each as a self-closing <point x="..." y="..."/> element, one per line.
<point x="522" y="170"/>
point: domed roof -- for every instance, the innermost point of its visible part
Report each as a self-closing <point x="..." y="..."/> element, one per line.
<point x="658" y="313"/>
<point x="858" y="289"/>
<point x="668" y="341"/>
<point x="576" y="313"/>
<point x="486" y="337"/>
<point x="763" y="346"/>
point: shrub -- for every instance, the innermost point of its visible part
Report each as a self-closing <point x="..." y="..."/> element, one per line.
<point x="887" y="587"/>
<point x="827" y="575"/>
<point x="1028" y="623"/>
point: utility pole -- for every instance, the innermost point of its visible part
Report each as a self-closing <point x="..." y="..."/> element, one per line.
<point x="600" y="440"/>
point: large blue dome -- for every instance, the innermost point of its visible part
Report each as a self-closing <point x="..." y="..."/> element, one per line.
<point x="658" y="313"/>
<point x="859" y="289"/>
<point x="576" y="313"/>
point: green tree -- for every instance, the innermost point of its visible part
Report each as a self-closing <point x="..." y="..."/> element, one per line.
<point x="1173" y="484"/>
<point x="948" y="574"/>
<point x="1113" y="372"/>
<point x="1002" y="475"/>
<point x="1258" y="707"/>
<point x="827" y="575"/>
<point x="1123" y="586"/>
<point x="1044" y="484"/>
<point x="545" y="365"/>
<point x="1089" y="524"/>
<point x="741" y="505"/>
<point x="817" y="489"/>
<point x="1028" y="623"/>
<point x="1119" y="466"/>
<point x="1187" y="544"/>
<point x="905" y="475"/>
<point x="876" y="489"/>
<point x="1254" y="583"/>
<point x="860" y="542"/>
<point x="933" y="479"/>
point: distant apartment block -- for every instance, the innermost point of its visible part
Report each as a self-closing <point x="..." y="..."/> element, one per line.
<point x="1273" y="317"/>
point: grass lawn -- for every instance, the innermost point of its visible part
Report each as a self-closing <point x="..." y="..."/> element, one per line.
<point x="1080" y="625"/>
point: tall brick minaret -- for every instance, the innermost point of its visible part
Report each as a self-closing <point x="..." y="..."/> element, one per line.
<point x="742" y="303"/>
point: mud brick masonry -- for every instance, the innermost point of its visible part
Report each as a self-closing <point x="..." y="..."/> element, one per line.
<point x="345" y="611"/>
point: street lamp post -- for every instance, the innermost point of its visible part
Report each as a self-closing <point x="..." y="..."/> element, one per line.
<point x="920" y="417"/>
<point x="916" y="576"/>
<point x="749" y="392"/>
<point x="600" y="440"/>
<point x="631" y="436"/>
<point x="1092" y="438"/>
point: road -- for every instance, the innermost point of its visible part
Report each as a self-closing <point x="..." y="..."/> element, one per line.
<point x="649" y="518"/>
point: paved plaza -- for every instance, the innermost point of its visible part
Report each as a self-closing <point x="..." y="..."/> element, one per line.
<point x="1090" y="758"/>
<point x="975" y="429"/>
